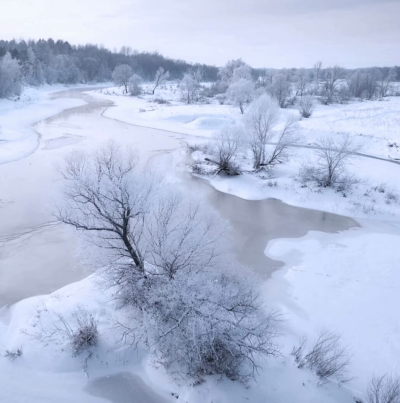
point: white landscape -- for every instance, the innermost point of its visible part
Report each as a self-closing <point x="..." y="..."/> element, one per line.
<point x="194" y="235"/>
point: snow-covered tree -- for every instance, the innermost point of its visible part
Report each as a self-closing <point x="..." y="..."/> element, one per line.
<point x="242" y="72"/>
<point x="190" y="85"/>
<point x="241" y="93"/>
<point x="331" y="83"/>
<point x="280" y="89"/>
<point x="261" y="118"/>
<point x="384" y="85"/>
<point x="226" y="72"/>
<point x="332" y="158"/>
<point x="160" y="78"/>
<point x="121" y="76"/>
<point x="10" y="76"/>
<point x="134" y="85"/>
<point x="166" y="263"/>
<point x="302" y="82"/>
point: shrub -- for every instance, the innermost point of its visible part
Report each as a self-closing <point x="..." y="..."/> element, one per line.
<point x="384" y="389"/>
<point x="327" y="358"/>
<point x="306" y="106"/>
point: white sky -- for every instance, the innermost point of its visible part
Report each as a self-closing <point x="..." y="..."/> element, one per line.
<point x="265" y="33"/>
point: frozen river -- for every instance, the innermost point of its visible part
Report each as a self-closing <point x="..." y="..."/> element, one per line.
<point x="38" y="256"/>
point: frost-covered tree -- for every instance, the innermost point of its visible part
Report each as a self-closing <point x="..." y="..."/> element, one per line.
<point x="316" y="76"/>
<point x="10" y="76"/>
<point x="134" y="85"/>
<point x="261" y="118"/>
<point x="332" y="155"/>
<point x="226" y="72"/>
<point x="160" y="78"/>
<point x="190" y="85"/>
<point x="168" y="269"/>
<point x="242" y="72"/>
<point x="280" y="89"/>
<point x="331" y="83"/>
<point x="241" y="93"/>
<point x="121" y="76"/>
<point x="385" y="84"/>
<point x="302" y="82"/>
<point x="228" y="142"/>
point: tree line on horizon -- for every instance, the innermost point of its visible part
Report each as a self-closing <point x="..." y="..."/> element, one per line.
<point x="48" y="61"/>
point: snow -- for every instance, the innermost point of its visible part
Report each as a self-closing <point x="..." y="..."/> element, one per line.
<point x="347" y="282"/>
<point x="18" y="138"/>
<point x="195" y="120"/>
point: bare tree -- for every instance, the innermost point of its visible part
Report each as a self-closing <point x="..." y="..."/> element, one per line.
<point x="333" y="155"/>
<point x="241" y="93"/>
<point x="121" y="75"/>
<point x="106" y="197"/>
<point x="306" y="106"/>
<point x="384" y="389"/>
<point x="228" y="142"/>
<point x="160" y="78"/>
<point x="262" y="117"/>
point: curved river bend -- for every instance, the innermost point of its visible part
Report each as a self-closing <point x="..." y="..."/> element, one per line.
<point x="37" y="256"/>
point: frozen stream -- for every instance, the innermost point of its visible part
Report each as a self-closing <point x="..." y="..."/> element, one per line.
<point x="38" y="256"/>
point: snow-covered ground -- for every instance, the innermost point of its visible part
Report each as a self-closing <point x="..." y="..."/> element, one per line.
<point x="17" y="136"/>
<point x="347" y="282"/>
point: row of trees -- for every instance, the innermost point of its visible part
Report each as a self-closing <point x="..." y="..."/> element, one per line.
<point x="49" y="61"/>
<point x="258" y="135"/>
<point x="259" y="129"/>
<point x="328" y="85"/>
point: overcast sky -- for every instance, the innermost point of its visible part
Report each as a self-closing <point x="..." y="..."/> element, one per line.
<point x="265" y="33"/>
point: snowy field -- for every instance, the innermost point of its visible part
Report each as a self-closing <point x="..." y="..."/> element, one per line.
<point x="347" y="282"/>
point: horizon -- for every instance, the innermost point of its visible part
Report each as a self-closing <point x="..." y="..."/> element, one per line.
<point x="273" y="33"/>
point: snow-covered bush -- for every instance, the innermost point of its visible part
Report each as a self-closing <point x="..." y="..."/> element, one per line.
<point x="76" y="334"/>
<point x="134" y="85"/>
<point x="306" y="106"/>
<point x="383" y="389"/>
<point x="227" y="144"/>
<point x="241" y="93"/>
<point x="327" y="357"/>
<point x="332" y="157"/>
<point x="208" y="324"/>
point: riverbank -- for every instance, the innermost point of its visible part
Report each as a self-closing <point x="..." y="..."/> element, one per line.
<point x="51" y="250"/>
